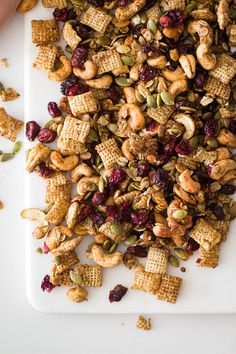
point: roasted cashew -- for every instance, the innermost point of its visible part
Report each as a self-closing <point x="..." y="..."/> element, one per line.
<point x="130" y="95"/>
<point x="223" y="14"/>
<point x="26" y="5"/>
<point x="87" y="184"/>
<point x="173" y="75"/>
<point x="177" y="232"/>
<point x="72" y="213"/>
<point x="228" y="176"/>
<point x="79" y="171"/>
<point x="188" y="123"/>
<point x="125" y="148"/>
<point x="205" y="59"/>
<point x="103" y="82"/>
<point x="88" y="73"/>
<point x="186" y="197"/>
<point x="161" y="230"/>
<point x="34" y="214"/>
<point x="36" y="155"/>
<point x="187" y="183"/>
<point x="125" y="13"/>
<point x="219" y="169"/>
<point x="57" y="235"/>
<point x="223" y="154"/>
<point x="225" y="137"/>
<point x="77" y="294"/>
<point x="63" y="72"/>
<point x="64" y="163"/>
<point x="203" y="14"/>
<point x="40" y="232"/>
<point x="173" y="32"/>
<point x="105" y="260"/>
<point x="136" y="117"/>
<point x="159" y="62"/>
<point x="188" y="63"/>
<point x="178" y="87"/>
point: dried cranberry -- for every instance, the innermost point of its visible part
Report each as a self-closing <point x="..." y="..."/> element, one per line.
<point x="98" y="218"/>
<point x="123" y="3"/>
<point x="172" y="65"/>
<point x="144" y="169"/>
<point x="192" y="245"/>
<point x="176" y="16"/>
<point x="184" y="148"/>
<point x="118" y="175"/>
<point x="99" y="198"/>
<point x="138" y="30"/>
<point x="113" y="93"/>
<point x="186" y="48"/>
<point x="184" y="103"/>
<point x="161" y="178"/>
<point x="203" y="177"/>
<point x="151" y="126"/>
<point x="211" y="127"/>
<point x="149" y="224"/>
<point x="148" y="48"/>
<point x="117" y="293"/>
<point x="82" y="30"/>
<point x="96" y="3"/>
<point x="120" y="214"/>
<point x="46" y="284"/>
<point x="67" y="84"/>
<point x="54" y="110"/>
<point x="169" y="147"/>
<point x="31" y="130"/>
<point x="77" y="89"/>
<point x="147" y="73"/>
<point x="45" y="171"/>
<point x="166" y="21"/>
<point x="45" y="248"/>
<point x="200" y="79"/>
<point x="112" y="212"/>
<point x="84" y="213"/>
<point x="228" y="189"/>
<point x="216" y="209"/>
<point x="60" y="14"/>
<point x="148" y="5"/>
<point x="232" y="126"/>
<point x="140" y="218"/>
<point x="46" y="136"/>
<point x="79" y="56"/>
<point x="138" y="251"/>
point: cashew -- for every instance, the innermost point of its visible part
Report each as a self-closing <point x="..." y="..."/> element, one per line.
<point x="63" y="72"/>
<point x="134" y="72"/>
<point x="40" y="232"/>
<point x="187" y="183"/>
<point x="103" y="82"/>
<point x="125" y="13"/>
<point x="125" y="148"/>
<point x="77" y="294"/>
<point x="136" y="120"/>
<point x="161" y="230"/>
<point x="182" y="194"/>
<point x="123" y="69"/>
<point x="205" y="59"/>
<point x="188" y="123"/>
<point x="178" y="87"/>
<point x="130" y="95"/>
<point x="223" y="154"/>
<point x="87" y="184"/>
<point x="64" y="163"/>
<point x="203" y="14"/>
<point x="72" y="213"/>
<point x="228" y="176"/>
<point x="188" y="63"/>
<point x="161" y="86"/>
<point x="57" y="235"/>
<point x="88" y="73"/>
<point x="159" y="62"/>
<point x="36" y="155"/>
<point x="34" y="214"/>
<point x="100" y="238"/>
<point x="223" y="14"/>
<point x="177" y="232"/>
<point x="105" y="260"/>
<point x="173" y="75"/>
<point x="26" y="5"/>
<point x="219" y="169"/>
<point x="81" y="170"/>
<point x="173" y="32"/>
<point x="225" y="137"/>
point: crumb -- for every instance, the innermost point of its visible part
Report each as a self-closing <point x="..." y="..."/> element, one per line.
<point x="9" y="94"/>
<point x="4" y="62"/>
<point x="183" y="269"/>
<point x="144" y="324"/>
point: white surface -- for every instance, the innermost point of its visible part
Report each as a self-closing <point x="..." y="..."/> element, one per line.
<point x="26" y="331"/>
<point x="200" y="292"/>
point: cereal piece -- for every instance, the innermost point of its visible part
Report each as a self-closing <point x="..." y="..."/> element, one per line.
<point x="109" y="152"/>
<point x="188" y="162"/>
<point x="169" y="288"/>
<point x="96" y="19"/>
<point x="60" y="4"/>
<point x="206" y="235"/>
<point x="209" y="258"/>
<point x="225" y="69"/>
<point x="152" y="12"/>
<point x="99" y="94"/>
<point x="141" y="323"/>
<point x="107" y="61"/>
<point x="116" y="232"/>
<point x="58" y="211"/>
<point x="36" y="155"/>
<point x="232" y="35"/>
<point x="84" y="103"/>
<point x="62" y="191"/>
<point x="9" y="94"/>
<point x="127" y="197"/>
<point x="46" y="57"/>
<point x="58" y="179"/>
<point x="220" y="225"/>
<point x="204" y="156"/>
<point x="44" y="32"/>
<point x="215" y="88"/>
<point x="75" y="129"/>
<point x="67" y="246"/>
<point x="157" y="261"/>
<point x="60" y="278"/>
<point x="9" y="126"/>
<point x="162" y="114"/>
<point x="70" y="36"/>
<point x="223" y="13"/>
<point x="125" y="13"/>
<point x="146" y="281"/>
<point x="67" y="260"/>
<point x="176" y="4"/>
<point x="91" y="275"/>
<point x="227" y="113"/>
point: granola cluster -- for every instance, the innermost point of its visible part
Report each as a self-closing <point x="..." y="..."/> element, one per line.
<point x="144" y="133"/>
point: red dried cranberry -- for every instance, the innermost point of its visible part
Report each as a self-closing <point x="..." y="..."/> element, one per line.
<point x="149" y="224"/>
<point x="98" y="218"/>
<point x="54" y="110"/>
<point x="46" y="136"/>
<point x="148" y="48"/>
<point x="138" y="251"/>
<point x="161" y="178"/>
<point x="84" y="212"/>
<point x="45" y="171"/>
<point x="45" y="248"/>
<point x="138" y="30"/>
<point x="232" y="126"/>
<point x="211" y="127"/>
<point x="60" y="14"/>
<point x="99" y="198"/>
<point x="183" y="148"/>
<point x="67" y="84"/>
<point x="112" y="212"/>
<point x="82" y="30"/>
<point x="228" y="189"/>
<point x="192" y="245"/>
<point x="216" y="210"/>
<point x="31" y="130"/>
<point x="169" y="147"/>
<point x="144" y="169"/>
<point x="77" y="89"/>
<point x="184" y="103"/>
<point x="186" y="48"/>
<point x="166" y="21"/>
<point x="151" y="126"/>
<point x="123" y="3"/>
<point x="200" y="79"/>
<point x="96" y="3"/>
<point x="176" y="15"/>
<point x="79" y="56"/>
<point x="118" y="175"/>
<point x="46" y="285"/>
<point x="113" y="93"/>
<point x="139" y="218"/>
<point x="203" y="177"/>
<point x="117" y="293"/>
<point x="122" y="214"/>
<point x="147" y="73"/>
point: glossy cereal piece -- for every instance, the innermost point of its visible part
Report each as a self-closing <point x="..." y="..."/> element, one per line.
<point x="227" y="113"/>
<point x="108" y="230"/>
<point x="162" y="114"/>
<point x="216" y="88"/>
<point x="60" y="278"/>
<point x="75" y="129"/>
<point x="109" y="152"/>
<point x="169" y="288"/>
<point x="145" y="281"/>
<point x="152" y="12"/>
<point x="232" y="34"/>
<point x="58" y="179"/>
<point x="60" y="4"/>
<point x="176" y="4"/>
<point x="157" y="261"/>
<point x="91" y="275"/>
<point x="209" y="258"/>
<point x="96" y="19"/>
<point x="62" y="191"/>
<point x="36" y="155"/>
<point x="70" y="36"/>
<point x="9" y="126"/>
<point x="67" y="260"/>
<point x="45" y="31"/>
<point x="46" y="57"/>
<point x="225" y="69"/>
<point x="206" y="235"/>
<point x="85" y="103"/>
<point x="67" y="246"/>
<point x="107" y="61"/>
<point x="57" y="212"/>
<point x="99" y="94"/>
<point x="222" y="226"/>
<point x="188" y="162"/>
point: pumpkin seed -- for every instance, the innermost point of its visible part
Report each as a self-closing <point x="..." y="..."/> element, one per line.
<point x="77" y="2"/>
<point x="173" y="261"/>
<point x="139" y="97"/>
<point x="75" y="277"/>
<point x="127" y="60"/>
<point x="153" y="84"/>
<point x="17" y="146"/>
<point x="151" y="101"/>
<point x="112" y="127"/>
<point x="180" y="214"/>
<point x="159" y="13"/>
<point x="190" y="7"/>
<point x="182" y="254"/>
<point x="1" y="88"/>
<point x="213" y="143"/>
<point x="167" y="98"/>
<point x="39" y="250"/>
<point x="130" y="240"/>
<point x="103" y="41"/>
<point x="113" y="247"/>
<point x="107" y="245"/>
<point x="116" y="229"/>
<point x="123" y="81"/>
<point x="92" y="135"/>
<point x="101" y="185"/>
<point x="205" y="101"/>
<point x="151" y="26"/>
<point x="194" y="141"/>
<point x="7" y="157"/>
<point x="123" y="49"/>
<point x="143" y="17"/>
<point x="122" y="161"/>
<point x="159" y="100"/>
<point x="57" y="260"/>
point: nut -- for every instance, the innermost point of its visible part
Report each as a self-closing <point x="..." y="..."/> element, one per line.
<point x="105" y="260"/>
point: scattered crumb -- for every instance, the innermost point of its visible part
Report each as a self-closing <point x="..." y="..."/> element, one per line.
<point x="144" y="324"/>
<point x="1" y="205"/>
<point x="9" y="94"/>
<point x="39" y="250"/>
<point x="4" y="62"/>
<point x="183" y="269"/>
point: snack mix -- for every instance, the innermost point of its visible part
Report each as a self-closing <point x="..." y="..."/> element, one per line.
<point x="144" y="131"/>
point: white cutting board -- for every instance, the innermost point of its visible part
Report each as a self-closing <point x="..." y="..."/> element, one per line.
<point x="204" y="290"/>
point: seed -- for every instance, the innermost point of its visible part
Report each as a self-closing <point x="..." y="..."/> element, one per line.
<point x="123" y="49"/>
<point x="75" y="277"/>
<point x="213" y="143"/>
<point x="123" y="81"/>
<point x="190" y="7"/>
<point x="205" y="101"/>
<point x="113" y="247"/>
<point x="151" y="26"/>
<point x="151" y="101"/>
<point x="116" y="229"/>
<point x="107" y="245"/>
<point x="180" y="214"/>
<point x="152" y="86"/>
<point x="101" y="185"/>
<point x="143" y="17"/>
<point x="194" y="141"/>
<point x="174" y="261"/>
<point x="39" y="250"/>
<point x="127" y="60"/>
<point x="57" y="260"/>
<point x="122" y="161"/>
<point x="112" y="127"/>
<point x="182" y="254"/>
<point x="130" y="240"/>
<point x="159" y="100"/>
<point x="167" y="98"/>
<point x="6" y="157"/>
<point x="17" y="146"/>
<point x="103" y="41"/>
<point x="139" y="97"/>
<point x="92" y="135"/>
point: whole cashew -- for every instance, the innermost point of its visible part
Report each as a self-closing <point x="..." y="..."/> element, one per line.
<point x="205" y="59"/>
<point x="228" y="176"/>
<point x="225" y="137"/>
<point x="57" y="235"/>
<point x="103" y="82"/>
<point x="64" y="163"/>
<point x="182" y="194"/>
<point x="188" y="63"/>
<point x="203" y="14"/>
<point x="219" y="169"/>
<point x="105" y="260"/>
<point x="159" y="62"/>
<point x="174" y="75"/>
<point x="161" y="230"/>
<point x="88" y="73"/>
<point x="87" y="184"/>
<point x="173" y="32"/>
<point x="40" y="232"/>
<point x="187" y="183"/>
<point x="177" y="232"/>
<point x="125" y="148"/>
<point x="63" y="72"/>
<point x="130" y="95"/>
<point x="223" y="13"/>
<point x="188" y="123"/>
<point x="178" y="87"/>
<point x="136" y="117"/>
<point x="26" y="5"/>
<point x="81" y="170"/>
<point x="72" y="213"/>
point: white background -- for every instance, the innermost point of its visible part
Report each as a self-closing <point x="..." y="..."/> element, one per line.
<point x="25" y="331"/>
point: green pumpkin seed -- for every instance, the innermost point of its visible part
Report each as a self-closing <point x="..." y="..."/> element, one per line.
<point x="127" y="60"/>
<point x="123" y="49"/>
<point x="232" y="211"/>
<point x="151" y="101"/>
<point x="122" y="161"/>
<point x="194" y="141"/>
<point x="190" y="7"/>
<point x="213" y="143"/>
<point x="167" y="98"/>
<point x="107" y="245"/>
<point x="159" y="100"/>
<point x="75" y="277"/>
<point x="101" y="185"/>
<point x="143" y="17"/>
<point x="151" y="26"/>
<point x="68" y="49"/>
<point x="71" y="22"/>
<point x="182" y="254"/>
<point x="113" y="247"/>
<point x="116" y="229"/>
<point x="153" y="86"/>
<point x="77" y="2"/>
<point x="180" y="214"/>
<point x="57" y="260"/>
<point x="39" y="250"/>
<point x="123" y="81"/>
<point x="159" y="13"/>
<point x="139" y="97"/>
<point x="103" y="41"/>
<point x="112" y="127"/>
<point x="92" y="135"/>
<point x="6" y="157"/>
<point x="174" y="261"/>
<point x="130" y="240"/>
<point x="1" y="88"/>
<point x="166" y="242"/>
<point x="17" y="146"/>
